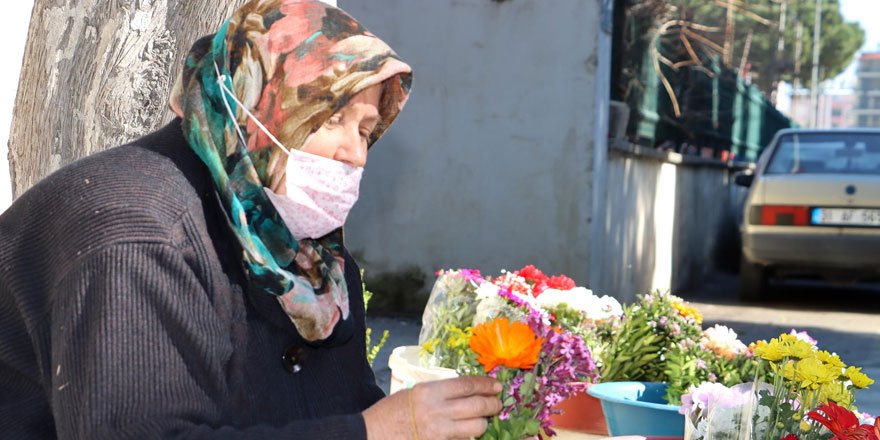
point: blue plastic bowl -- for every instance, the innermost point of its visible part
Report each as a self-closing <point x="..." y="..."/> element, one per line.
<point x="638" y="408"/>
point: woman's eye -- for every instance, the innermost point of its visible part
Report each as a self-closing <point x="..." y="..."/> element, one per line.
<point x="334" y="120"/>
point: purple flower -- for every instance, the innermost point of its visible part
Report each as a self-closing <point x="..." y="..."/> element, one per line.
<point x="472" y="276"/>
<point x="803" y="336"/>
<point x="710" y="396"/>
<point x="701" y="364"/>
<point x="564" y="367"/>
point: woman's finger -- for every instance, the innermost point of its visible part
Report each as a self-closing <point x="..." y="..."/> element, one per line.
<point x="473" y="407"/>
<point x="468" y="386"/>
<point x="470" y="428"/>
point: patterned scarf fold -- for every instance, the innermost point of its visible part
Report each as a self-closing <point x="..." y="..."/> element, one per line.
<point x="293" y="64"/>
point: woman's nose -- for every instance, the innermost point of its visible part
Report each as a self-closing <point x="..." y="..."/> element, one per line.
<point x="353" y="150"/>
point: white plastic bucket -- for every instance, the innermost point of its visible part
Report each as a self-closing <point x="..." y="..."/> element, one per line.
<point x="406" y="370"/>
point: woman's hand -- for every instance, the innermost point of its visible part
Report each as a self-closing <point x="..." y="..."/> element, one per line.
<point x="442" y="410"/>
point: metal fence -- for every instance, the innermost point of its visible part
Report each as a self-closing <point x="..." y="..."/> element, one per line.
<point x="718" y="110"/>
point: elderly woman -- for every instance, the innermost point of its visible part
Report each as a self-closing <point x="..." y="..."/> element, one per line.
<point x="195" y="282"/>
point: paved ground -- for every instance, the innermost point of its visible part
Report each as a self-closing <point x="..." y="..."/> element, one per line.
<point x="844" y="319"/>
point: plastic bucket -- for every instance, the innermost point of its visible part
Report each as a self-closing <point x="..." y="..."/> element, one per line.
<point x="406" y="369"/>
<point x="581" y="413"/>
<point x="638" y="408"/>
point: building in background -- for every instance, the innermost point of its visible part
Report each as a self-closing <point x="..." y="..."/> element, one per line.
<point x="867" y="112"/>
<point x="836" y="107"/>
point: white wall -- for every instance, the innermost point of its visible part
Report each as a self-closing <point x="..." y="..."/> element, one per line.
<point x="490" y="165"/>
<point x="667" y="224"/>
<point x="14" y="35"/>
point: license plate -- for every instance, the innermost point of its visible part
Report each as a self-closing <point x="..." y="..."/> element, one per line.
<point x="846" y="217"/>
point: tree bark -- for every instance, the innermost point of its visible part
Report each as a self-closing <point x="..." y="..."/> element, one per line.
<point x="98" y="73"/>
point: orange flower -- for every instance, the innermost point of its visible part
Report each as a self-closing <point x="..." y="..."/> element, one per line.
<point x="500" y="342"/>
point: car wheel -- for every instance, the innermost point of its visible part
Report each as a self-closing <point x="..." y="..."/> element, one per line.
<point x="752" y="281"/>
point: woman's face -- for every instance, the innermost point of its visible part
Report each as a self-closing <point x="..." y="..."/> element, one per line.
<point x="345" y="135"/>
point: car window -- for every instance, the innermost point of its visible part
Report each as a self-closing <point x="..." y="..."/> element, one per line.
<point x="826" y="153"/>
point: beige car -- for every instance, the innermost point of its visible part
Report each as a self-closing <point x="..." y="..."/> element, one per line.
<point x="813" y="209"/>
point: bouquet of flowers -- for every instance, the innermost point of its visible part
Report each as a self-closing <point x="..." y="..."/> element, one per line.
<point x="717" y="357"/>
<point x="809" y="394"/>
<point x="652" y="327"/>
<point x="524" y="328"/>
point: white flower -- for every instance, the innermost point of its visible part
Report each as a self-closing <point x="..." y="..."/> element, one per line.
<point x="487" y="291"/>
<point x="723" y="341"/>
<point x="552" y="298"/>
<point x="606" y="307"/>
<point x="583" y="300"/>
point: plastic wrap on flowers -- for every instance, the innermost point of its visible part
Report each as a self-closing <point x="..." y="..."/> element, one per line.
<point x="448" y="319"/>
<point x="714" y="411"/>
<point x="499" y="327"/>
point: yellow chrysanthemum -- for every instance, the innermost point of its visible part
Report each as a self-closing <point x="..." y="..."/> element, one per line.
<point x="797" y="349"/>
<point x="688" y="312"/>
<point x="787" y="338"/>
<point x="859" y="380"/>
<point x="836" y="392"/>
<point x="812" y="373"/>
<point x="788" y="371"/>
<point x="769" y="351"/>
<point x="832" y="360"/>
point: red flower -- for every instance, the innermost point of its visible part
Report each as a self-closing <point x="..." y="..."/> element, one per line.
<point x="532" y="274"/>
<point x="535" y="278"/>
<point x="790" y="437"/>
<point x="539" y="287"/>
<point x="843" y="423"/>
<point x="561" y="282"/>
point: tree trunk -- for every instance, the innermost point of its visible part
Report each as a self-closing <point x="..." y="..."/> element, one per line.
<point x="97" y="73"/>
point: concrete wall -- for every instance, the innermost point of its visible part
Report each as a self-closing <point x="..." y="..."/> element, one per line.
<point x="491" y="163"/>
<point x="669" y="220"/>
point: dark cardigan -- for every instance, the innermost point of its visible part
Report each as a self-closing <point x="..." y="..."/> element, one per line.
<point x="123" y="315"/>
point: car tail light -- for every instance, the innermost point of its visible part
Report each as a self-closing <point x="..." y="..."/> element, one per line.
<point x="780" y="215"/>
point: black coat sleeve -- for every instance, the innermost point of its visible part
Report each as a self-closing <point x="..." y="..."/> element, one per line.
<point x="138" y="351"/>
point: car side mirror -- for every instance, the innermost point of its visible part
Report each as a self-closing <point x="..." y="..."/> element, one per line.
<point x="744" y="179"/>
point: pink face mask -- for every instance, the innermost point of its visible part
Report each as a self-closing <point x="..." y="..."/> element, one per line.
<point x="320" y="194"/>
<point x="320" y="191"/>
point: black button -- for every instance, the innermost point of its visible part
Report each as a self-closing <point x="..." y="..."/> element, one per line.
<point x="293" y="358"/>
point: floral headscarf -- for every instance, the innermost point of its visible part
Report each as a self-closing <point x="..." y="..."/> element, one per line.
<point x="293" y="64"/>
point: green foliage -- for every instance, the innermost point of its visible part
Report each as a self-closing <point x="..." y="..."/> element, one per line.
<point x="522" y="422"/>
<point x="692" y="366"/>
<point x="450" y="328"/>
<point x="372" y="350"/>
<point x="651" y="327"/>
<point x="840" y="40"/>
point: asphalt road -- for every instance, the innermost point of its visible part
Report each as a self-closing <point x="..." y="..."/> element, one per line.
<point x="844" y="319"/>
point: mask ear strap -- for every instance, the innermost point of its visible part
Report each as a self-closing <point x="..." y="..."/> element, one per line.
<point x="221" y="81"/>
